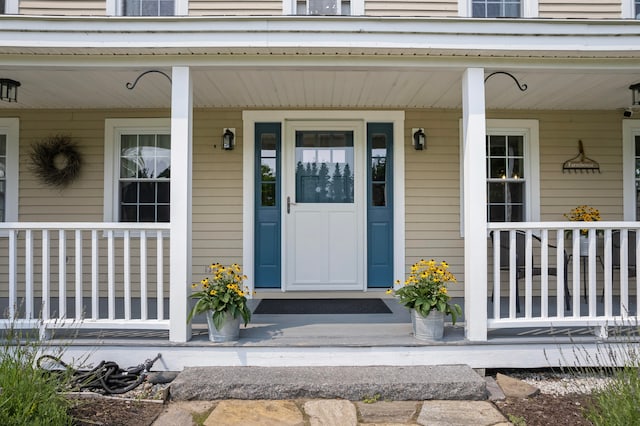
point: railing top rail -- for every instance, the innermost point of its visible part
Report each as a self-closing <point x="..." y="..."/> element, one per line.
<point x="507" y="226"/>
<point x="88" y="226"/>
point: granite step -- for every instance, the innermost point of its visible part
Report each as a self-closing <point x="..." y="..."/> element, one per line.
<point x="401" y="383"/>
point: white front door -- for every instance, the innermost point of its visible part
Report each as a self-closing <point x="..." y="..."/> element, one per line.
<point x="323" y="199"/>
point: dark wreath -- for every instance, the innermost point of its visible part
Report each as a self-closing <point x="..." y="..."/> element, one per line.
<point x="56" y="161"/>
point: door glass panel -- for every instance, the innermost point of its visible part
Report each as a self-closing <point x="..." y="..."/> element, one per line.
<point x="324" y="166"/>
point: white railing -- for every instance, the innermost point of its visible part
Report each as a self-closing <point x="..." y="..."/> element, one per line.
<point x="567" y="274"/>
<point x="91" y="275"/>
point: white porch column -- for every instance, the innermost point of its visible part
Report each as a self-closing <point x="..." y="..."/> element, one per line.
<point x="475" y="204"/>
<point x="180" y="240"/>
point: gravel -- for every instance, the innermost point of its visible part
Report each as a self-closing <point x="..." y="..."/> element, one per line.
<point x="557" y="383"/>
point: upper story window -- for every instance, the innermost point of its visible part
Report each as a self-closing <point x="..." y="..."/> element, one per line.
<point x="323" y="7"/>
<point x="148" y="8"/>
<point x="137" y="170"/>
<point x="496" y="8"/>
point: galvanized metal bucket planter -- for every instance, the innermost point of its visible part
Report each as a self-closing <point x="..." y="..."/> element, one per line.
<point x="229" y="331"/>
<point x="428" y="328"/>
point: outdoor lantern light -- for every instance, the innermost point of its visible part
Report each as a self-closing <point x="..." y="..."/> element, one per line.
<point x="9" y="90"/>
<point x="419" y="139"/>
<point x="228" y="139"/>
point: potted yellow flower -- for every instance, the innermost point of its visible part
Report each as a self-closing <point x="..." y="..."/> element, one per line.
<point x="224" y="300"/>
<point x="425" y="293"/>
<point x="583" y="214"/>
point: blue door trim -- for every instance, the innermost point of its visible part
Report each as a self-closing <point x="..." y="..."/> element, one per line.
<point x="379" y="205"/>
<point x="268" y="182"/>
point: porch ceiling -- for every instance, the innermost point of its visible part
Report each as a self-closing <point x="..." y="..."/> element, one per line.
<point x="320" y="87"/>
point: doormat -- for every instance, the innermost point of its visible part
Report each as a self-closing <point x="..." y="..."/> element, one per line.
<point x="321" y="306"/>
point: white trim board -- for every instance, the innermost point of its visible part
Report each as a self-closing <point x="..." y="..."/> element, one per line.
<point x="11" y="128"/>
<point x="251" y="117"/>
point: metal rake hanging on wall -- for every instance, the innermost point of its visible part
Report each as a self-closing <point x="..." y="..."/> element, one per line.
<point x="581" y="163"/>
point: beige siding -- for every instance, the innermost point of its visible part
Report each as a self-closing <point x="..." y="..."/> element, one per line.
<point x="242" y="7"/>
<point x="589" y="9"/>
<point x="432" y="177"/>
<point x="63" y="7"/>
<point x="432" y="8"/>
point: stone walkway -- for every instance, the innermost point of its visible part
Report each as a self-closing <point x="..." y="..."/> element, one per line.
<point x="330" y="412"/>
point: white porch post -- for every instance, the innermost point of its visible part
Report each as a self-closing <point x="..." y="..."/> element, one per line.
<point x="475" y="204"/>
<point x="180" y="239"/>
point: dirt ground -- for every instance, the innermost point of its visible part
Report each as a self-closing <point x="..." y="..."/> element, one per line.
<point x="545" y="409"/>
<point x="540" y="410"/>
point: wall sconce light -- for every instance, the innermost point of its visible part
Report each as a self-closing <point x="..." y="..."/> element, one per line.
<point x="9" y="90"/>
<point x="228" y="138"/>
<point x="419" y="139"/>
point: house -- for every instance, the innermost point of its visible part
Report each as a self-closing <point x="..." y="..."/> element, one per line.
<point x="324" y="145"/>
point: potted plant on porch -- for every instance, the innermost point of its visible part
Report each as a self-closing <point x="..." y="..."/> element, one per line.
<point x="223" y="299"/>
<point x="583" y="214"/>
<point x="425" y="293"/>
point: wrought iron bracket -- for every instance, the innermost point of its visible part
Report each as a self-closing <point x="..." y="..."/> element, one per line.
<point x="132" y="86"/>
<point x="522" y="86"/>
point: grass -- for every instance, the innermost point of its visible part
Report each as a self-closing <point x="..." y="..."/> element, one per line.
<point x="28" y="395"/>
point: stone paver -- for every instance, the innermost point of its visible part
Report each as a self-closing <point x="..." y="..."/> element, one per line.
<point x="181" y="413"/>
<point x="515" y="388"/>
<point x="255" y="413"/>
<point x="457" y="413"/>
<point x="387" y="412"/>
<point x="331" y="412"/>
<point x="495" y="392"/>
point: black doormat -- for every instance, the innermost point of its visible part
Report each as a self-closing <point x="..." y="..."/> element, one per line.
<point x="322" y="306"/>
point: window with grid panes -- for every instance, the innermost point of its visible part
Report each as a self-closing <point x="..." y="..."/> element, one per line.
<point x="148" y="8"/>
<point x="506" y="178"/>
<point x="496" y="8"/>
<point x="323" y="7"/>
<point x="144" y="181"/>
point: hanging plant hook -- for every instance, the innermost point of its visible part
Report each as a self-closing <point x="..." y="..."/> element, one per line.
<point x="522" y="86"/>
<point x="132" y="86"/>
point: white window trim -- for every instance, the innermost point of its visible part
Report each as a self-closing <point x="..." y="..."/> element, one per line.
<point x="289" y="7"/>
<point x="530" y="130"/>
<point x="113" y="129"/>
<point x="530" y="8"/>
<point x="627" y="7"/>
<point x="114" y="7"/>
<point x="11" y="7"/>
<point x="11" y="128"/>
<point x="630" y="129"/>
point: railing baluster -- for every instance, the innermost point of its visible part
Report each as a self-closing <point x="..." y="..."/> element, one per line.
<point x="62" y="274"/>
<point x="496" y="274"/>
<point x="13" y="273"/>
<point x="111" y="279"/>
<point x="512" y="274"/>
<point x="127" y="275"/>
<point x="95" y="262"/>
<point x="46" y="278"/>
<point x="528" y="275"/>
<point x="143" y="275"/>
<point x="624" y="273"/>
<point x="608" y="274"/>
<point x="78" y="296"/>
<point x="592" y="273"/>
<point x="28" y="275"/>
<point x="576" y="272"/>
<point x="561" y="273"/>
<point x="160" y="275"/>
<point x="544" y="273"/>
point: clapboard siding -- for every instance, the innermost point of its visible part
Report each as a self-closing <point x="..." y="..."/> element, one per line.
<point x="63" y="7"/>
<point x="433" y="8"/>
<point x="237" y="8"/>
<point x="589" y="9"/>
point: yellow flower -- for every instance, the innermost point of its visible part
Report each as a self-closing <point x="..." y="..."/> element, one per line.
<point x="389" y="291"/>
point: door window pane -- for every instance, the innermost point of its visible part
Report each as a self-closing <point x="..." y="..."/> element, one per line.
<point x="324" y="167"/>
<point x="3" y="176"/>
<point x="268" y="167"/>
<point x="637" y="175"/>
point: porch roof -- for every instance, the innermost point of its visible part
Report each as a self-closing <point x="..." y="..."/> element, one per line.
<point x="311" y="62"/>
